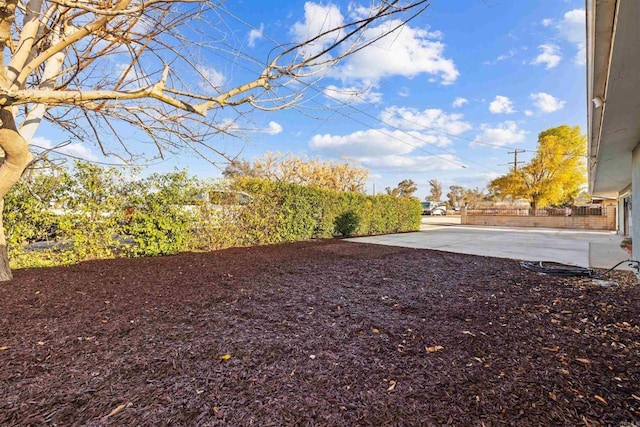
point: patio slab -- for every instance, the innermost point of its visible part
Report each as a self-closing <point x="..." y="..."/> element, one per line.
<point x="596" y="249"/>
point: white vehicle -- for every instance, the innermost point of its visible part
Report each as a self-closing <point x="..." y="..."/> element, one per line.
<point x="216" y="208"/>
<point x="434" y="208"/>
<point x="217" y="200"/>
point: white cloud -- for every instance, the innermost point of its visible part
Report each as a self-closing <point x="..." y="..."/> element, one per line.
<point x="506" y="133"/>
<point x="546" y="103"/>
<point x="373" y="143"/>
<point x="357" y="12"/>
<point x="229" y="126"/>
<point x="407" y="52"/>
<point x="550" y="56"/>
<point x="404" y="92"/>
<point x="425" y="121"/>
<point x="505" y="56"/>
<point x="74" y="149"/>
<point x="546" y="22"/>
<point x="317" y="20"/>
<point x="122" y="68"/>
<point x="353" y="95"/>
<point x="459" y="102"/>
<point x="414" y="164"/>
<point x="396" y="148"/>
<point x="211" y="78"/>
<point x="255" y="34"/>
<point x="132" y="77"/>
<point x="404" y="52"/>
<point x="502" y="57"/>
<point x="528" y="113"/>
<point x="572" y="29"/>
<point x="501" y="105"/>
<point x="273" y="129"/>
<point x="233" y="127"/>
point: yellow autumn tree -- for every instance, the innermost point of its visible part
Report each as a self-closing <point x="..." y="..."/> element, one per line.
<point x="556" y="173"/>
<point x="332" y="175"/>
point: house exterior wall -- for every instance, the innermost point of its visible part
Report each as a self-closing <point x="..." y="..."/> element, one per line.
<point x="620" y="228"/>
<point x="624" y="212"/>
<point x="634" y="227"/>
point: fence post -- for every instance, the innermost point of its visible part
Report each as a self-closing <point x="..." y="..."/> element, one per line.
<point x="611" y="215"/>
<point x="463" y="215"/>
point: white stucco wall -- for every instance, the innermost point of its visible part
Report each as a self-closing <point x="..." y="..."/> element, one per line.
<point x="635" y="201"/>
<point x="620" y="221"/>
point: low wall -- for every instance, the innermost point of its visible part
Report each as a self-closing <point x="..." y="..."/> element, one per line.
<point x="606" y="221"/>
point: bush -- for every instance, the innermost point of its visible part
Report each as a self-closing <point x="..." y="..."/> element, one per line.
<point x="347" y="223"/>
<point x="97" y="213"/>
<point x="282" y="212"/>
<point x="72" y="214"/>
<point x="159" y="222"/>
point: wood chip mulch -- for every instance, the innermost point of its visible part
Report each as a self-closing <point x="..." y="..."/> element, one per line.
<point x="320" y="333"/>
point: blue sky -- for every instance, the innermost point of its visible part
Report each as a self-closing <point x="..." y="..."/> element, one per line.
<point x="446" y="98"/>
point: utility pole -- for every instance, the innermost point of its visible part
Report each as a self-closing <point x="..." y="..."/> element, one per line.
<point x="515" y="158"/>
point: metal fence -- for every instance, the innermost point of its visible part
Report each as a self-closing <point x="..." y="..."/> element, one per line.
<point x="565" y="211"/>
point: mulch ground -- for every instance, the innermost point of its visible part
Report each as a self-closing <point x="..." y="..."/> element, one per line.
<point x="317" y="333"/>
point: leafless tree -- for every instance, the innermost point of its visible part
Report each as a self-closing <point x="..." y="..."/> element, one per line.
<point x="60" y="65"/>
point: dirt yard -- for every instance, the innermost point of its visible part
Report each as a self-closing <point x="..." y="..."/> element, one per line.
<point x="322" y="333"/>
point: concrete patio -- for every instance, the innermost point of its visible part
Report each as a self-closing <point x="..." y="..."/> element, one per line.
<point x="596" y="249"/>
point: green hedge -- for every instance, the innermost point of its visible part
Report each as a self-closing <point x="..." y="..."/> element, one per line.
<point x="94" y="212"/>
<point x="283" y="212"/>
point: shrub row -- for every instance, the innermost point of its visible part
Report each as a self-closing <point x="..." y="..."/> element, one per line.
<point x="95" y="212"/>
<point x="284" y="212"/>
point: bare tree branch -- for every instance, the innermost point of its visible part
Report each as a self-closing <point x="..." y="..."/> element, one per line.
<point x="111" y="12"/>
<point x="100" y="68"/>
<point x="65" y="42"/>
<point x="156" y="91"/>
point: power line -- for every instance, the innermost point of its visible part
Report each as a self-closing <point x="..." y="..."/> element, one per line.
<point x="431" y="129"/>
<point x="515" y="158"/>
<point x="345" y="104"/>
<point x="358" y="110"/>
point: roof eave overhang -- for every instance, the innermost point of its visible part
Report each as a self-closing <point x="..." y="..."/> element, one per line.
<point x="600" y="27"/>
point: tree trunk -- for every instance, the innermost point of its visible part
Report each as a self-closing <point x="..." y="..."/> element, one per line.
<point x="5" y="270"/>
<point x="16" y="158"/>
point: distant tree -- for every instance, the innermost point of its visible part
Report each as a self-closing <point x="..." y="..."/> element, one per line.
<point x="455" y="195"/>
<point x="436" y="191"/>
<point x="474" y="197"/>
<point x="405" y="188"/>
<point x="554" y="176"/>
<point x="237" y="167"/>
<point x="584" y="197"/>
<point x="339" y="176"/>
<point x="460" y="196"/>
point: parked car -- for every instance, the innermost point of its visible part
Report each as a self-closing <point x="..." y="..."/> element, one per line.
<point x="434" y="208"/>
<point x="217" y="200"/>
<point x="206" y="205"/>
